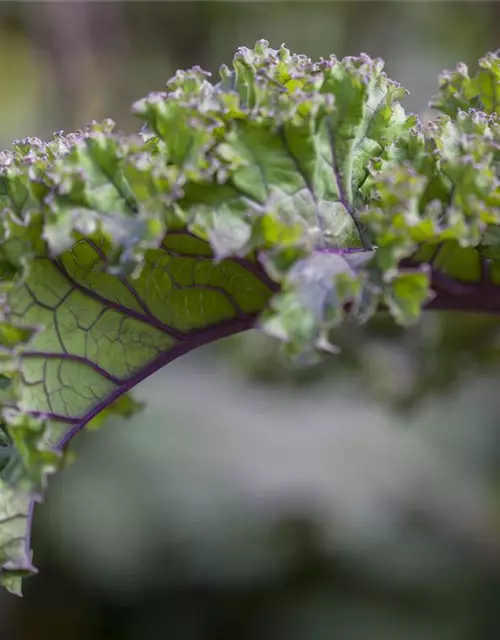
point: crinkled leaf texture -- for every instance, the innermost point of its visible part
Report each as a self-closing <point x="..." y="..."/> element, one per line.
<point x="292" y="194"/>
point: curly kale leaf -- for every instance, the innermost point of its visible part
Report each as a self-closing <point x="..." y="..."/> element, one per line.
<point x="459" y="92"/>
<point x="290" y="194"/>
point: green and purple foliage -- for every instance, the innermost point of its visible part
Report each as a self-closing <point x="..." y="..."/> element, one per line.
<point x="290" y="195"/>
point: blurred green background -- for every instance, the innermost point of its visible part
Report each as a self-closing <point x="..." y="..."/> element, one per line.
<point x="357" y="499"/>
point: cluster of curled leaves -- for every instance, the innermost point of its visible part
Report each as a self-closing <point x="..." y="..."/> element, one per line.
<point x="290" y="195"/>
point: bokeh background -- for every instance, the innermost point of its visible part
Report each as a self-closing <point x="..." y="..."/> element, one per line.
<point x="357" y="499"/>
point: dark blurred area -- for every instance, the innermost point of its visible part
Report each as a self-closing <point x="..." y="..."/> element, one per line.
<point x="357" y="499"/>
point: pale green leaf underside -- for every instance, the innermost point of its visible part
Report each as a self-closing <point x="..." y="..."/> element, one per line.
<point x="100" y="331"/>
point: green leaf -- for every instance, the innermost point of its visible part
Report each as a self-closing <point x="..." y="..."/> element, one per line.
<point x="125" y="406"/>
<point x="407" y="294"/>
<point x="292" y="194"/>
<point x="459" y="92"/>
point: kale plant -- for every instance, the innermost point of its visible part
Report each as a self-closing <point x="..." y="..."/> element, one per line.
<point x="291" y="195"/>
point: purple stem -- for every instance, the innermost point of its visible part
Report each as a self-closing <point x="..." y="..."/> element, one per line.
<point x="450" y="295"/>
<point x="198" y="339"/>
